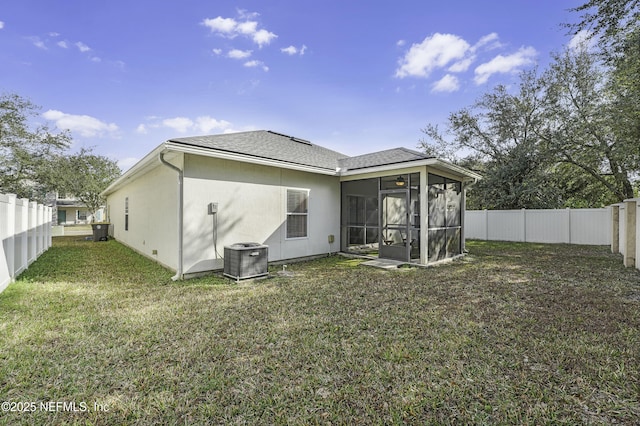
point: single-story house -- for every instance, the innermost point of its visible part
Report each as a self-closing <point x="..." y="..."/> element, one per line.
<point x="71" y="211"/>
<point x="190" y="197"/>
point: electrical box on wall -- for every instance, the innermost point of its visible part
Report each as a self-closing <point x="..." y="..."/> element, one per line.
<point x="212" y="208"/>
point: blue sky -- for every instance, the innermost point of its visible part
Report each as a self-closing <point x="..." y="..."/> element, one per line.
<point x="353" y="76"/>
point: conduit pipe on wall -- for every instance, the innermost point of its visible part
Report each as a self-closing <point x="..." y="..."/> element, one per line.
<point x="179" y="272"/>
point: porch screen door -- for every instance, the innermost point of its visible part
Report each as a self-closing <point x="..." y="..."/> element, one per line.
<point x="395" y="238"/>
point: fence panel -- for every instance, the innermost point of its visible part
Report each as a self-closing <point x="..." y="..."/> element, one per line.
<point x="25" y="232"/>
<point x="591" y="226"/>
<point x="574" y="226"/>
<point x="505" y="225"/>
<point x="547" y="226"/>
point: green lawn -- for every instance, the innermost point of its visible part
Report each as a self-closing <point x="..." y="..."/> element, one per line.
<point x="514" y="333"/>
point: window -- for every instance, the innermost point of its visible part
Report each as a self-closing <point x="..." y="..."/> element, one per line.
<point x="126" y="214"/>
<point x="297" y="213"/>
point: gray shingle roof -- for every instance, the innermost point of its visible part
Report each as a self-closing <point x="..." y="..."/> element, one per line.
<point x="276" y="146"/>
<point x="381" y="158"/>
<point x="269" y="145"/>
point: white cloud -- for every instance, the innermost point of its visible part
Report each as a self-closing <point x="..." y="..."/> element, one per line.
<point x="505" y="64"/>
<point x="255" y="64"/>
<point x="463" y="65"/>
<point x="292" y="50"/>
<point x="1" y="25"/>
<point x="435" y="51"/>
<point x="37" y="42"/>
<point x="582" y="40"/>
<point x="84" y="125"/>
<point x="261" y="37"/>
<point x="206" y="124"/>
<point x="443" y="51"/>
<point x="63" y="44"/>
<point x="179" y="124"/>
<point x="221" y="25"/>
<point x="231" y="28"/>
<point x="448" y="83"/>
<point x="239" y="54"/>
<point x="247" y="27"/>
<point x="142" y="129"/>
<point x="244" y="14"/>
<point x="202" y="124"/>
<point x="217" y="51"/>
<point x="485" y="40"/>
<point x="82" y="47"/>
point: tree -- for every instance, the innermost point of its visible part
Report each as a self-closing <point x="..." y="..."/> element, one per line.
<point x="616" y="25"/>
<point x="501" y="130"/>
<point x="565" y="138"/>
<point x="612" y="20"/>
<point x="85" y="175"/>
<point x="26" y="152"/>
<point x="583" y="127"/>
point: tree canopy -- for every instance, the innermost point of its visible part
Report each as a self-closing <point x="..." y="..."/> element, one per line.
<point x="567" y="136"/>
<point x="85" y="175"/>
<point x="26" y="151"/>
<point x="35" y="161"/>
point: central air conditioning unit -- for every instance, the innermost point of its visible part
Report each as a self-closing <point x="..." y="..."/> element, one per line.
<point x="246" y="260"/>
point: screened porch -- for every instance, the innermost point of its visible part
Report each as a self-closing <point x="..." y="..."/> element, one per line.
<point x="382" y="217"/>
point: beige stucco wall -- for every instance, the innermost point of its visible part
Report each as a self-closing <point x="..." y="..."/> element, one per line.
<point x="252" y="208"/>
<point x="153" y="204"/>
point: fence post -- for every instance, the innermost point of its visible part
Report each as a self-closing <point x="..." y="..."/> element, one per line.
<point x="486" y="225"/>
<point x="524" y="225"/>
<point x="49" y="221"/>
<point x="32" y="232"/>
<point x="568" y="225"/>
<point x="40" y="228"/>
<point x="615" y="228"/>
<point x="630" y="247"/>
<point x="11" y="230"/>
<point x="637" y="237"/>
<point x="23" y="234"/>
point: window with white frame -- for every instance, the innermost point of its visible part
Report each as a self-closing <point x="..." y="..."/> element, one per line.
<point x="297" y="213"/>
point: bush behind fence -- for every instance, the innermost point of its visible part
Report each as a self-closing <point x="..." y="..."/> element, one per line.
<point x="25" y="233"/>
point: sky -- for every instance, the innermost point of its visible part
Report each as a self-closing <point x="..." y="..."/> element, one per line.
<point x="353" y="76"/>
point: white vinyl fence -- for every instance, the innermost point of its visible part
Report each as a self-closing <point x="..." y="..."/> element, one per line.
<point x="572" y="226"/>
<point x="25" y="232"/>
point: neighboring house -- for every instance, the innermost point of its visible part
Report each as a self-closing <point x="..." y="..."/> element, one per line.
<point x="70" y="211"/>
<point x="190" y="197"/>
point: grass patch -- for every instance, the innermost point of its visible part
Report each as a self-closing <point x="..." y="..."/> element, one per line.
<point x="513" y="333"/>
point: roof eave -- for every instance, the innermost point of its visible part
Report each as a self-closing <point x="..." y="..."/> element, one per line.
<point x="431" y="162"/>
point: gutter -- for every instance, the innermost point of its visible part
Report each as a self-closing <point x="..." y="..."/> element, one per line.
<point x="179" y="273"/>
<point x="431" y="162"/>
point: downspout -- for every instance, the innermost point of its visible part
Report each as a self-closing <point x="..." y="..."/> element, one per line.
<point x="179" y="272"/>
